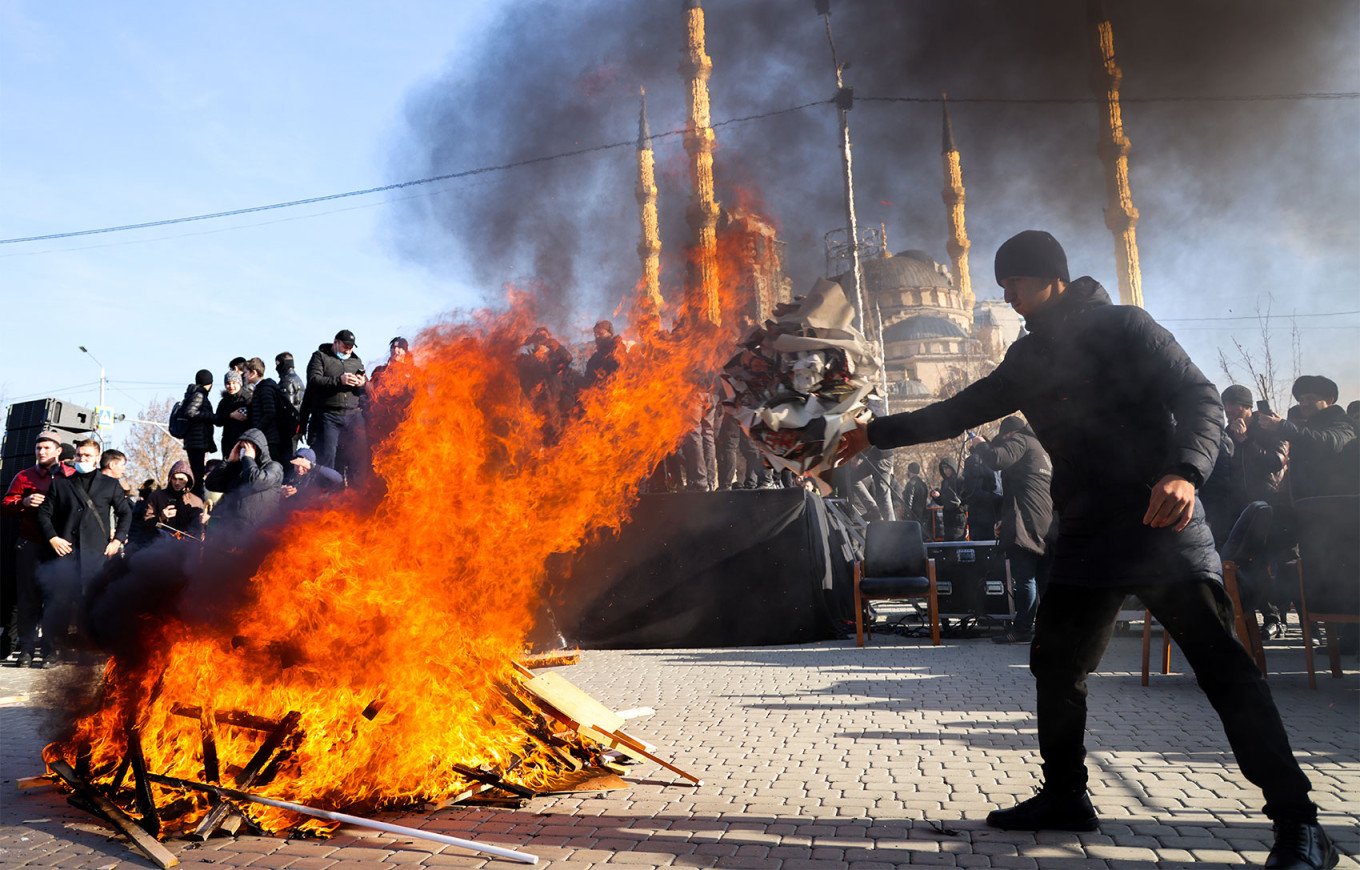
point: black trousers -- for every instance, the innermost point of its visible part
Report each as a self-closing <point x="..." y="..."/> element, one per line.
<point x="1073" y="629"/>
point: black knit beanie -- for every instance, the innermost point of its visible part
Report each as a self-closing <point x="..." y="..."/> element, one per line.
<point x="1031" y="254"/>
<point x="204" y="378"/>
<point x="1238" y="395"/>
<point x="1011" y="424"/>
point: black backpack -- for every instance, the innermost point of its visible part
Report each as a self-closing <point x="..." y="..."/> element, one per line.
<point x="178" y="426"/>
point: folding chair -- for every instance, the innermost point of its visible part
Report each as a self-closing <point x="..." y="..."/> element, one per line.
<point x="1245" y="547"/>
<point x="1329" y="571"/>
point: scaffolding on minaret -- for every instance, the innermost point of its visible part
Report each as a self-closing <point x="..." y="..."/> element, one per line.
<point x="649" y="248"/>
<point x="954" y="197"/>
<point x="701" y="276"/>
<point x="1120" y="215"/>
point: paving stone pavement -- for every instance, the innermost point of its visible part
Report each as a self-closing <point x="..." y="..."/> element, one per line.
<point x="818" y="756"/>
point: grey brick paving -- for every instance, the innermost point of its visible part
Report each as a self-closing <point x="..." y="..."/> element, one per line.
<point x="814" y="757"/>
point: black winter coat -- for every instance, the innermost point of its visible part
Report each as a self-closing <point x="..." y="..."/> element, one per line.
<point x="1316" y="451"/>
<point x="232" y="429"/>
<point x="267" y="415"/>
<point x="1117" y="404"/>
<point x="981" y="497"/>
<point x="196" y="409"/>
<point x="292" y="387"/>
<point x="324" y="390"/>
<point x="915" y="501"/>
<point x="250" y="489"/>
<point x="1026" y="475"/>
<point x="952" y="522"/>
<point x="63" y="514"/>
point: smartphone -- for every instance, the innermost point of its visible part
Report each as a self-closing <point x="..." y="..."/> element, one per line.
<point x="1263" y="407"/>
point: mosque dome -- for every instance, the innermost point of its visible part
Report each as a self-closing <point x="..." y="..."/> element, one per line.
<point x="909" y="269"/>
<point x="923" y="327"/>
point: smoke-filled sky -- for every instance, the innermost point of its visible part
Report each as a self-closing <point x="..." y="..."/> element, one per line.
<point x="123" y="114"/>
<point x="1242" y="202"/>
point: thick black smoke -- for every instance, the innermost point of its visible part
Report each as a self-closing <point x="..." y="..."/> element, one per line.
<point x="551" y="77"/>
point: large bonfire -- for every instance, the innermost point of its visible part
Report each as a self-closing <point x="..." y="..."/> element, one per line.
<point x="392" y="627"/>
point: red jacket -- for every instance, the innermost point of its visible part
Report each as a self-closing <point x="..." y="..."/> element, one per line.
<point x="30" y="480"/>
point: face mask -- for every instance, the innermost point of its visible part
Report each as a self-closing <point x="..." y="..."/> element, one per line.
<point x="343" y="355"/>
<point x="84" y="467"/>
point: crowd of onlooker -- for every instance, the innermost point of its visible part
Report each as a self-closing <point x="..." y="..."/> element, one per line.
<point x="75" y="513"/>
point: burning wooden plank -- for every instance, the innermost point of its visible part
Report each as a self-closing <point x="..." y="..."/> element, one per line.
<point x="563" y="700"/>
<point x="144" y="842"/>
<point x="345" y="818"/>
<point x="246" y="778"/>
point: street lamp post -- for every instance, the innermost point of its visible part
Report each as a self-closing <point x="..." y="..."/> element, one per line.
<point x="101" y="374"/>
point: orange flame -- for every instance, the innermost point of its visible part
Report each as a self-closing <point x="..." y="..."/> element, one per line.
<point x="423" y="600"/>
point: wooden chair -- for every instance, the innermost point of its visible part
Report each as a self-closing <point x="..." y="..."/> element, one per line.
<point x="1329" y="571"/>
<point x="1245" y="548"/>
<point x="895" y="565"/>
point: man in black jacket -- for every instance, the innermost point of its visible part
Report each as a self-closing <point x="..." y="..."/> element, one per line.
<point x="251" y="485"/>
<point x="336" y="385"/>
<point x="1317" y="440"/>
<point x="293" y="389"/>
<point x="196" y="410"/>
<point x="1097" y="381"/>
<point x="946" y="495"/>
<point x="270" y="411"/>
<point x="1026" y="515"/>
<point x="74" y="520"/>
<point x="915" y="496"/>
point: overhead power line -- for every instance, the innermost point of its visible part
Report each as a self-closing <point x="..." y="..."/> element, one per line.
<point x="467" y="173"/>
<point x="547" y="158"/>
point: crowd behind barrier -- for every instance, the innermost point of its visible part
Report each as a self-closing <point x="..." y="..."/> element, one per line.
<point x="76" y="513"/>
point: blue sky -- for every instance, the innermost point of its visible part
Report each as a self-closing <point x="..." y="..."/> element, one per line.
<point x="114" y="114"/>
<point x="121" y="113"/>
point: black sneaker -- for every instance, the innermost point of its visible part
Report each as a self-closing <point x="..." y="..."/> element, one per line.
<point x="1301" y="846"/>
<point x="1013" y="636"/>
<point x="1049" y="810"/>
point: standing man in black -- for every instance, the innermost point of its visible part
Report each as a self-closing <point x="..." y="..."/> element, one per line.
<point x="196" y="410"/>
<point x="270" y="411"/>
<point x="336" y="386"/>
<point x="1026" y="515"/>
<point x="25" y="496"/>
<point x="74" y="520"/>
<point x="1133" y="428"/>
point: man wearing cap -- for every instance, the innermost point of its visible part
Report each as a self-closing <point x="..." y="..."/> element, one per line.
<point x="336" y="386"/>
<point x="1132" y="427"/>
<point x="27" y="491"/>
<point x="196" y="410"/>
<point x="390" y="391"/>
<point x="305" y="481"/>
<point x="1317" y="440"/>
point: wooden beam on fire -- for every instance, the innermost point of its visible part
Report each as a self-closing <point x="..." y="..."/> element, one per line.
<point x="235" y="718"/>
<point x="246" y="778"/>
<point x="565" y="701"/>
<point x="146" y="801"/>
<point x="144" y="842"/>
<point x="555" y="659"/>
<point x="491" y="778"/>
<point x="399" y="830"/>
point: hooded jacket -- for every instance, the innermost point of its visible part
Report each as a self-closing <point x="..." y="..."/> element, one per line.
<point x="1026" y="473"/>
<point x="196" y="409"/>
<point x="1117" y="404"/>
<point x="188" y="507"/>
<point x="952" y="521"/>
<point x="250" y="488"/>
